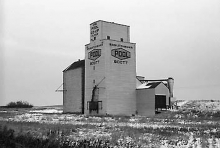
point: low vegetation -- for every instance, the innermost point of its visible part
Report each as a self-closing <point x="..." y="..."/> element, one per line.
<point x="9" y="140"/>
<point x="19" y="104"/>
<point x="37" y="127"/>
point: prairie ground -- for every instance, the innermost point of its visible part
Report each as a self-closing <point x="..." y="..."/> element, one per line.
<point x="193" y="124"/>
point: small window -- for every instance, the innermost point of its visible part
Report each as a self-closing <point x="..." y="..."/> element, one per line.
<point x="93" y="67"/>
<point x="108" y="37"/>
<point x="94" y="38"/>
<point x="94" y="81"/>
<point x="121" y="39"/>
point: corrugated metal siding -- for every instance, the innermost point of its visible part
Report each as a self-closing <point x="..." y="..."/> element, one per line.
<point x="121" y="82"/>
<point x="72" y="97"/>
<point x="115" y="31"/>
<point x="161" y="89"/>
<point x="96" y="74"/>
<point x="146" y="102"/>
<point x="83" y="88"/>
<point x="104" y="29"/>
<point x="117" y="91"/>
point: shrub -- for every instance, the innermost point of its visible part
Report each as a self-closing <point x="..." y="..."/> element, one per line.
<point x="19" y="104"/>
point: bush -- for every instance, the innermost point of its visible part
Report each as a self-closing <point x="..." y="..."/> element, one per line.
<point x="19" y="104"/>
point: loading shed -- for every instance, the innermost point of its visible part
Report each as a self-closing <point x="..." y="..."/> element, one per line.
<point x="151" y="97"/>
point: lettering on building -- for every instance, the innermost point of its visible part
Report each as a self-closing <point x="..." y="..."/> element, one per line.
<point x="94" y="31"/>
<point x="94" y="62"/>
<point x="120" y="53"/>
<point x="120" y="62"/>
<point x="95" y="46"/>
<point x="94" y="54"/>
<point x="119" y="45"/>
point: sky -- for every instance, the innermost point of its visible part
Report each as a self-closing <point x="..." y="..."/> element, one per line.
<point x="174" y="38"/>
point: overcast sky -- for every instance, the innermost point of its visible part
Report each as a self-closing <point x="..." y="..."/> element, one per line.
<point x="174" y="38"/>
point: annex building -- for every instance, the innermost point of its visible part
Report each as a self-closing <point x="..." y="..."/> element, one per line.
<point x="105" y="82"/>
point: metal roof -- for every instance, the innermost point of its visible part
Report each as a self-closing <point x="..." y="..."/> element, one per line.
<point x="153" y="84"/>
<point x="77" y="64"/>
<point x="149" y="85"/>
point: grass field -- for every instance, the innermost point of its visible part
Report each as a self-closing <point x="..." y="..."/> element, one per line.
<point x="194" y="124"/>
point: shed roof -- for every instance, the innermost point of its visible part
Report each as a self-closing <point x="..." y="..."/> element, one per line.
<point x="77" y="64"/>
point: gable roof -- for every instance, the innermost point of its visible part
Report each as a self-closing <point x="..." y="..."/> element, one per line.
<point x="77" y="64"/>
<point x="153" y="85"/>
<point x="149" y="85"/>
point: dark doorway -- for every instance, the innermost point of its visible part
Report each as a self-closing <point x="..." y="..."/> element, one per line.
<point x="160" y="102"/>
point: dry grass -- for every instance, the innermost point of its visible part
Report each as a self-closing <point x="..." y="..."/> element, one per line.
<point x="184" y="127"/>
